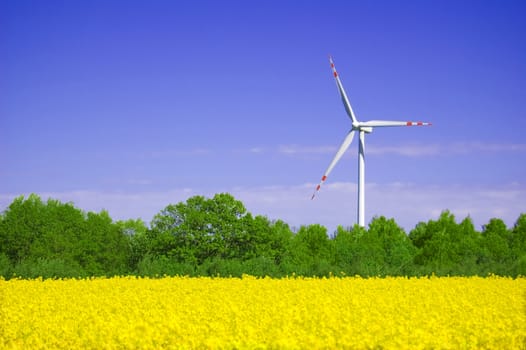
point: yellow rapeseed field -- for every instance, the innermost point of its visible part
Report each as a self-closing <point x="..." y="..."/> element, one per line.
<point x="251" y="313"/>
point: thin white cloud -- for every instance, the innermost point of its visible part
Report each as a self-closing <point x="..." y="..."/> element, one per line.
<point x="335" y="205"/>
<point x="407" y="203"/>
<point x="305" y="150"/>
<point x="405" y="150"/>
<point x="142" y="182"/>
<point x="412" y="149"/>
<point x="172" y="153"/>
<point x="257" y="150"/>
<point x="485" y="147"/>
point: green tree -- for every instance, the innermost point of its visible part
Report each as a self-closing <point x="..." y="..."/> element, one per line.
<point x="5" y="266"/>
<point x="518" y="246"/>
<point x="135" y="232"/>
<point x="446" y="247"/>
<point x="61" y="227"/>
<point x="263" y="238"/>
<point x="57" y="239"/>
<point x="343" y="246"/>
<point x="368" y="253"/>
<point x="44" y="234"/>
<point x="21" y="226"/>
<point x="495" y="250"/>
<point x="310" y="252"/>
<point x="199" y="229"/>
<point x="279" y="241"/>
<point x="398" y="250"/>
<point x="103" y="249"/>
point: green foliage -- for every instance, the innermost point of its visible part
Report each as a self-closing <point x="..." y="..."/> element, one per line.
<point x="495" y="247"/>
<point x="343" y="245"/>
<point x="47" y="268"/>
<point x="518" y="246"/>
<point x="221" y="267"/>
<point x="5" y="265"/>
<point x="200" y="229"/>
<point x="261" y="266"/>
<point x="309" y="252"/>
<point x="105" y="250"/>
<point x="163" y="266"/>
<point x="445" y="247"/>
<point x="58" y="240"/>
<point x="22" y="225"/>
<point x="135" y="232"/>
<point x="217" y="236"/>
<point x="398" y="251"/>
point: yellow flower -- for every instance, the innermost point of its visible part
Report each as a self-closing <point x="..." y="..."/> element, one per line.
<point x="263" y="313"/>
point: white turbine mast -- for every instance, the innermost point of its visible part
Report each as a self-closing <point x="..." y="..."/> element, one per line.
<point x="363" y="128"/>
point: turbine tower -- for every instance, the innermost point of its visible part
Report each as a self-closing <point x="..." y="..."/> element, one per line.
<point x="363" y="128"/>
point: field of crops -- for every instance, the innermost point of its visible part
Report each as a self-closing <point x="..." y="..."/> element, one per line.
<point x="250" y="313"/>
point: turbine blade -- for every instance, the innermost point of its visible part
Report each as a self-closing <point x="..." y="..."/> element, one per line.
<point x="345" y="99"/>
<point x="345" y="144"/>
<point x="387" y="123"/>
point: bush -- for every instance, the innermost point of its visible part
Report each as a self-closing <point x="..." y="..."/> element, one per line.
<point x="221" y="267"/>
<point x="261" y="266"/>
<point x="47" y="268"/>
<point x="163" y="266"/>
<point x="5" y="266"/>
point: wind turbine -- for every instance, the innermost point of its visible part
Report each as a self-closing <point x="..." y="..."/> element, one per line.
<point x="363" y="128"/>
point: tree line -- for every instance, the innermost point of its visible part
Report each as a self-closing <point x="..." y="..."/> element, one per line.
<point x="218" y="236"/>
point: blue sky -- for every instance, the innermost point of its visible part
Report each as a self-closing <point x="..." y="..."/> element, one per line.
<point x="132" y="105"/>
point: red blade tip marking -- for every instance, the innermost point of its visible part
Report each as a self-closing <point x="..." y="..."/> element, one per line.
<point x="324" y="178"/>
<point x="409" y="124"/>
<point x="335" y="74"/>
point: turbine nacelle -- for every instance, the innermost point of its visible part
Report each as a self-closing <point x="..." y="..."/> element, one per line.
<point x="358" y="126"/>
